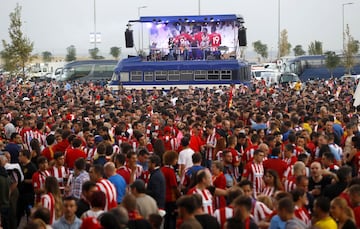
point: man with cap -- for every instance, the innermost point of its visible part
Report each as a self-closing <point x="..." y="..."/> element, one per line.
<point x="145" y="204"/>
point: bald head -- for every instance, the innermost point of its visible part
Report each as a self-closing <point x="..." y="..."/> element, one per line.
<point x="299" y="168"/>
<point x="109" y="169"/>
<point x="264" y="148"/>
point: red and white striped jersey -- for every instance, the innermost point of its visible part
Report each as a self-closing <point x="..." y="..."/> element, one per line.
<point x="110" y="191"/>
<point x="170" y="143"/>
<point x="59" y="173"/>
<point x="303" y="215"/>
<point x="254" y="172"/>
<point x="38" y="182"/>
<point x="207" y="199"/>
<point x="48" y="201"/>
<point x="116" y="149"/>
<point x="223" y="214"/>
<point x="41" y="137"/>
<point x="27" y="136"/>
<point x="211" y="140"/>
<point x="249" y="153"/>
<point x="260" y="211"/>
<point x="268" y="191"/>
<point x="90" y="152"/>
<point x="289" y="184"/>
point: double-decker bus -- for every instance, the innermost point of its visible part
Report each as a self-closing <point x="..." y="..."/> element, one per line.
<point x="186" y="51"/>
<point x="314" y="67"/>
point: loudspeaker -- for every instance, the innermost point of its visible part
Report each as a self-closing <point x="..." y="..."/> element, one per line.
<point x="242" y="37"/>
<point x="129" y="40"/>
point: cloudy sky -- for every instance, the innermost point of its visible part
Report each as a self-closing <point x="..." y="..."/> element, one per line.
<point x="54" y="25"/>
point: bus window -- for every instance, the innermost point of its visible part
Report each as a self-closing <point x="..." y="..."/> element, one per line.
<point x="103" y="71"/>
<point x="160" y="75"/>
<point x="186" y="75"/>
<point x="226" y="75"/>
<point x="174" y="75"/>
<point x="124" y="76"/>
<point x="213" y="75"/>
<point x="200" y="75"/>
<point x="81" y="71"/>
<point x="148" y="76"/>
<point x="136" y="76"/>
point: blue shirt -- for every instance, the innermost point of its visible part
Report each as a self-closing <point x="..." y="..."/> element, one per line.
<point x="63" y="224"/>
<point x="277" y="223"/>
<point x="120" y="185"/>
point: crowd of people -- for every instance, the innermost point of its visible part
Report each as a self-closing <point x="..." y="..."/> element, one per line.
<point x="81" y="156"/>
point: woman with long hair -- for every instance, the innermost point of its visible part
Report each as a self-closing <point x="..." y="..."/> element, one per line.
<point x="272" y="183"/>
<point x="52" y="199"/>
<point x="342" y="213"/>
<point x="35" y="150"/>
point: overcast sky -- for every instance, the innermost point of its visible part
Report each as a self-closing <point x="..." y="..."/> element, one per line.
<point x="54" y="25"/>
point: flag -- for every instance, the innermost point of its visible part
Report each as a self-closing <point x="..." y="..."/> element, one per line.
<point x="356" y="96"/>
<point x="231" y="93"/>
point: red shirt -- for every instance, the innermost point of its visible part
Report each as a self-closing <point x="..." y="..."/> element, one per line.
<point x="61" y="146"/>
<point x="125" y="173"/>
<point x="71" y="155"/>
<point x="220" y="182"/>
<point x="48" y="153"/>
<point x="170" y="183"/>
<point x="276" y="164"/>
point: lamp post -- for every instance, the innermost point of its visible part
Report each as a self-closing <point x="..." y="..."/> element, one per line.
<point x="278" y="56"/>
<point x="142" y="41"/>
<point x="343" y="22"/>
<point x="94" y="24"/>
<point x="198" y="7"/>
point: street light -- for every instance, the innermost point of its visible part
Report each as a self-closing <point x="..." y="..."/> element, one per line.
<point x="142" y="41"/>
<point x="343" y="22"/>
<point x="94" y="24"/>
<point x="198" y="7"/>
<point x="278" y="29"/>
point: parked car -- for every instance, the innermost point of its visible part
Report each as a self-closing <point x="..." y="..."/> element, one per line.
<point x="288" y="79"/>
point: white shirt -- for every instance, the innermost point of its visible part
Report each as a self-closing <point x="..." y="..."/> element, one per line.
<point x="185" y="157"/>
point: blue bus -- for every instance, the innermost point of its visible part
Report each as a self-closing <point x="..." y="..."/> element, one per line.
<point x="314" y="67"/>
<point x="186" y="51"/>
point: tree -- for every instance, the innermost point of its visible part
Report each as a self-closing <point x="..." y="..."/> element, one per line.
<point x="351" y="49"/>
<point x="115" y="52"/>
<point x="18" y="52"/>
<point x="331" y="61"/>
<point x="260" y="49"/>
<point x="285" y="46"/>
<point x="46" y="56"/>
<point x="315" y="48"/>
<point x="71" y="53"/>
<point x="94" y="54"/>
<point x="298" y="50"/>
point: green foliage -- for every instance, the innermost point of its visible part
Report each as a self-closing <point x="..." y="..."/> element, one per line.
<point x="260" y="49"/>
<point x="315" y="48"/>
<point x="46" y="56"/>
<point x="94" y="54"/>
<point x="18" y="52"/>
<point x="298" y="50"/>
<point x="115" y="52"/>
<point x="285" y="46"/>
<point x="351" y="49"/>
<point x="332" y="61"/>
<point x="71" y="53"/>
